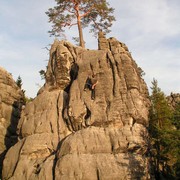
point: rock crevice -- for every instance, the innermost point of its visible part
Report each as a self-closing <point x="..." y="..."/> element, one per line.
<point x="11" y="102"/>
<point x="72" y="136"/>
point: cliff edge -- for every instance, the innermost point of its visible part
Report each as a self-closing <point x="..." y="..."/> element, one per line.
<point x="64" y="133"/>
<point x="11" y="101"/>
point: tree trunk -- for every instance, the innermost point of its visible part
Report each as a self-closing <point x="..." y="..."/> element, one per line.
<point x="81" y="39"/>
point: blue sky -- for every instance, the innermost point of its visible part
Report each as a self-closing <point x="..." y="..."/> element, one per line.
<point x="150" y="29"/>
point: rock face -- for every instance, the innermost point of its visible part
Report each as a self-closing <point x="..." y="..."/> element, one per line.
<point x="10" y="108"/>
<point x="64" y="134"/>
<point x="173" y="100"/>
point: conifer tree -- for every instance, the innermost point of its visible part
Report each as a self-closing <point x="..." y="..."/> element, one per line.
<point x="176" y="117"/>
<point x="163" y="135"/>
<point x="82" y="13"/>
<point x="175" y="140"/>
<point x="19" y="82"/>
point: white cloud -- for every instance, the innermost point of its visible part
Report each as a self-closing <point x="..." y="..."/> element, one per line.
<point x="151" y="30"/>
<point x="23" y="34"/>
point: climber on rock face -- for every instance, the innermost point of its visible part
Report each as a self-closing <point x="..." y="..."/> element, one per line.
<point x="90" y="84"/>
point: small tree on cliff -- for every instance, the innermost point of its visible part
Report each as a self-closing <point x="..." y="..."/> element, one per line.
<point x="19" y="82"/>
<point x="82" y="13"/>
<point x="42" y="74"/>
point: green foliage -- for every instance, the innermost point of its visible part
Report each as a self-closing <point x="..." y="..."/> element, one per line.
<point x="141" y="72"/>
<point x="42" y="74"/>
<point x="28" y="99"/>
<point x="94" y="13"/>
<point x="165" y="137"/>
<point x="100" y="18"/>
<point x="160" y="110"/>
<point x="25" y="99"/>
<point x="176" y="117"/>
<point x="19" y="82"/>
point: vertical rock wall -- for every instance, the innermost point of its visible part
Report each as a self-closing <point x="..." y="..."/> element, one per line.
<point x="10" y="108"/>
<point x="64" y="134"/>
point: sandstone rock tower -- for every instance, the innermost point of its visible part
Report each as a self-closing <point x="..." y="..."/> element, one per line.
<point x="11" y="100"/>
<point x="65" y="135"/>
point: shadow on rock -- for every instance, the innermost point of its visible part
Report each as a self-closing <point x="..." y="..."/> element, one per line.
<point x="11" y="136"/>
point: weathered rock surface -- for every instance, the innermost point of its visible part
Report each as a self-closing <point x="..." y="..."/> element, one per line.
<point x="10" y="108"/>
<point x="173" y="100"/>
<point x="64" y="134"/>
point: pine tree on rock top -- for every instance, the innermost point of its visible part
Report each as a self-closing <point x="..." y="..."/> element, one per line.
<point x="82" y="13"/>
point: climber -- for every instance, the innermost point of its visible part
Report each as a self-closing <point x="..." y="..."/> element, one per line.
<point x="90" y="84"/>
